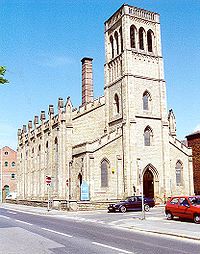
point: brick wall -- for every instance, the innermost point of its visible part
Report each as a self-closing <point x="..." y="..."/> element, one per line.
<point x="194" y="142"/>
<point x="9" y="158"/>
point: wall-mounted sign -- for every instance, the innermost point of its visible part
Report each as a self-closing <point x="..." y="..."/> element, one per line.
<point x="84" y="191"/>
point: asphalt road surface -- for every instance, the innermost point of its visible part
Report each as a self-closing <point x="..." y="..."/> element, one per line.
<point x="27" y="233"/>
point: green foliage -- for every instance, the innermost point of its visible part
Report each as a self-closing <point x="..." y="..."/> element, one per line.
<point x="2" y="72"/>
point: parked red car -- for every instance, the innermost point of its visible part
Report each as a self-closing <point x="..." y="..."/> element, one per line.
<point x="184" y="207"/>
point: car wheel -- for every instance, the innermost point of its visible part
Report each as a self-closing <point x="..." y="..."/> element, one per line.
<point x="197" y="218"/>
<point x="123" y="209"/>
<point x="169" y="215"/>
<point x="146" y="208"/>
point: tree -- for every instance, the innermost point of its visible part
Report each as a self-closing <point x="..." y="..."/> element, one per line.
<point x="2" y="72"/>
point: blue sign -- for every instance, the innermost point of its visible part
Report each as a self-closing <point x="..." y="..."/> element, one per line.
<point x="84" y="191"/>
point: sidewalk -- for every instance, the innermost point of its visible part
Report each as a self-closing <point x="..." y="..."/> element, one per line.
<point x="183" y="229"/>
<point x="159" y="225"/>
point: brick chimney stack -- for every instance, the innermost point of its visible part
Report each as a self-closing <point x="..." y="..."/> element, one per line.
<point x="87" y="81"/>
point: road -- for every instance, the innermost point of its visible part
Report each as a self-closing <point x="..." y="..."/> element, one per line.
<point x="30" y="233"/>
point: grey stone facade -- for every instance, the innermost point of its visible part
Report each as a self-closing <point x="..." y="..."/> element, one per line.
<point x="118" y="142"/>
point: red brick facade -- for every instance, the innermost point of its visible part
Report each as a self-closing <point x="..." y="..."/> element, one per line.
<point x="9" y="179"/>
<point x="194" y="142"/>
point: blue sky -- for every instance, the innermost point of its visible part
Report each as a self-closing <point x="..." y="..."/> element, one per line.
<point x="43" y="41"/>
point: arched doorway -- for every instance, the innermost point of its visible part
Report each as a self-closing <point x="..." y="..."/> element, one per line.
<point x="80" y="179"/>
<point x="148" y="184"/>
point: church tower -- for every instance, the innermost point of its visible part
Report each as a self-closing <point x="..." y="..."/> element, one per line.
<point x="135" y="93"/>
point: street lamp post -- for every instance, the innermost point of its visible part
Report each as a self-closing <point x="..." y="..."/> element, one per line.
<point x="141" y="187"/>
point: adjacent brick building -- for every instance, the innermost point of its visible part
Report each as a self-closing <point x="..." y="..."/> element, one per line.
<point x="9" y="179"/>
<point x="194" y="142"/>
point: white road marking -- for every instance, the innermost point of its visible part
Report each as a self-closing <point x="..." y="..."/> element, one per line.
<point x="113" y="248"/>
<point x="56" y="232"/>
<point x="24" y="222"/>
<point x="11" y="212"/>
<point x="5" y="217"/>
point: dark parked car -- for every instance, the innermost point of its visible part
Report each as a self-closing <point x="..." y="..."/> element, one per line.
<point x="131" y="204"/>
<point x="184" y="207"/>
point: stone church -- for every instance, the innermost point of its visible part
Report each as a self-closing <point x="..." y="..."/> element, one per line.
<point x="116" y="145"/>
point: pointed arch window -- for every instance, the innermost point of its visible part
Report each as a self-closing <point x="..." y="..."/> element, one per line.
<point x="56" y="144"/>
<point x="150" y="40"/>
<point x="148" y="134"/>
<point x="141" y="38"/>
<point x="104" y="173"/>
<point x="179" y="169"/>
<point x="121" y="39"/>
<point x="116" y="102"/>
<point x="146" y="100"/>
<point x="132" y="36"/>
<point x="112" y="46"/>
<point x="117" y="41"/>
<point x="39" y="156"/>
<point x="47" y="154"/>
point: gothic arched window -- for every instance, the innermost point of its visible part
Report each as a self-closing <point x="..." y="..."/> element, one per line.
<point x="141" y="38"/>
<point x="47" y="154"/>
<point x="56" y="144"/>
<point x="148" y="134"/>
<point x="104" y="173"/>
<point x="121" y="39"/>
<point x="132" y="36"/>
<point x="146" y="100"/>
<point x="39" y="150"/>
<point x="179" y="169"/>
<point x="112" y="46"/>
<point x="117" y="41"/>
<point x="116" y="99"/>
<point x="150" y="40"/>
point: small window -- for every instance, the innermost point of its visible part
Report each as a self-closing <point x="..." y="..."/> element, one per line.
<point x="121" y="39"/>
<point x="183" y="202"/>
<point x="150" y="40"/>
<point x="146" y="101"/>
<point x="117" y="41"/>
<point x="6" y="153"/>
<point x="148" y="134"/>
<point x="56" y="144"/>
<point x="174" y="201"/>
<point x="179" y="173"/>
<point x="104" y="173"/>
<point x="12" y="176"/>
<point x="112" y="46"/>
<point x="141" y="38"/>
<point x="6" y="164"/>
<point x="13" y="164"/>
<point x="116" y="99"/>
<point x="132" y="36"/>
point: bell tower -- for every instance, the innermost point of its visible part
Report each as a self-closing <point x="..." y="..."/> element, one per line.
<point x="135" y="89"/>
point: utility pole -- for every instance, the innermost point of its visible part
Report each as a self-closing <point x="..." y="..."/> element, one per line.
<point x="141" y="186"/>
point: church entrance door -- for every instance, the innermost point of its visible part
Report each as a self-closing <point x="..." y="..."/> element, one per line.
<point x="148" y="184"/>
